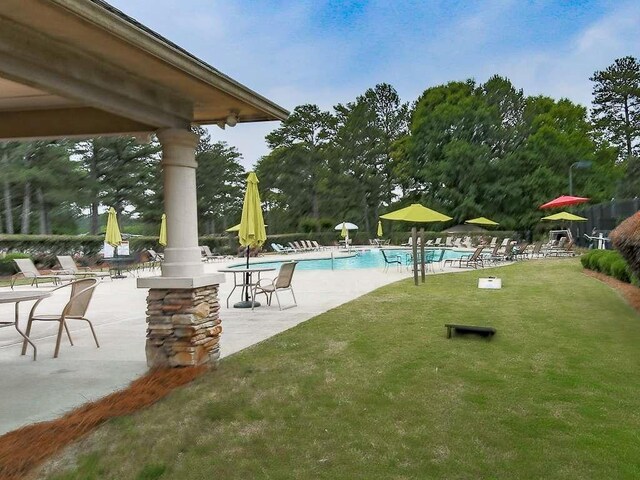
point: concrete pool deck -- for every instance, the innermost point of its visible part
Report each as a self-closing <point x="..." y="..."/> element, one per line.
<point x="34" y="391"/>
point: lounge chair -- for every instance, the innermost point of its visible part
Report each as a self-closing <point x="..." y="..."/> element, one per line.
<point x="317" y="245"/>
<point x="448" y="242"/>
<point x="29" y="270"/>
<point x="279" y="284"/>
<point x="280" y="249"/>
<point x="429" y="243"/>
<point x="457" y="243"/>
<point x="75" y="309"/>
<point x="472" y="260"/>
<point x="208" y="255"/>
<point x="537" y="251"/>
<point x="395" y="260"/>
<point x="437" y="242"/>
<point x="494" y="240"/>
<point x="69" y="267"/>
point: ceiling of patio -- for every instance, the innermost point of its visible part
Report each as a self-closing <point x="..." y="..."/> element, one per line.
<point x="81" y="67"/>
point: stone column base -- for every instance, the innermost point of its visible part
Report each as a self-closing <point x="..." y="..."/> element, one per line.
<point x="184" y="327"/>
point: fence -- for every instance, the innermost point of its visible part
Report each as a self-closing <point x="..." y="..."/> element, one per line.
<point x="605" y="216"/>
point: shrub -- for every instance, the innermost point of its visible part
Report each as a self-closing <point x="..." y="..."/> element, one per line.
<point x="620" y="270"/>
<point x="7" y="266"/>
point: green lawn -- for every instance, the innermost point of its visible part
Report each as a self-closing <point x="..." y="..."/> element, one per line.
<point x="374" y="390"/>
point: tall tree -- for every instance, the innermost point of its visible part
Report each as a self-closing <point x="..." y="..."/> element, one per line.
<point x="220" y="180"/>
<point x="616" y="104"/>
<point x="297" y="166"/>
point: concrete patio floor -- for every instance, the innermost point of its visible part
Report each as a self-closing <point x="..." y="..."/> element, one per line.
<point x="40" y="390"/>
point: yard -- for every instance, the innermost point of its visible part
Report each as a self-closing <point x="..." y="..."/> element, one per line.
<point x="374" y="389"/>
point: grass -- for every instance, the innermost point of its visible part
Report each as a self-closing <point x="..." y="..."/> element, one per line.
<point x="373" y="389"/>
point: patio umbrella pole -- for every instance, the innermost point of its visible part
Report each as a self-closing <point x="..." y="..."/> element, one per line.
<point x="422" y="266"/>
<point x="246" y="279"/>
<point x="414" y="246"/>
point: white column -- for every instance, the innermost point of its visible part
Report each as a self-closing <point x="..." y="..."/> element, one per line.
<point x="182" y="256"/>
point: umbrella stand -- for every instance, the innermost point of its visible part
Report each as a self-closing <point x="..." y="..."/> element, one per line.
<point x="246" y="303"/>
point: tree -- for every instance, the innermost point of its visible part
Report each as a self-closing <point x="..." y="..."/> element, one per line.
<point x="295" y="171"/>
<point x="121" y="174"/>
<point x="220" y="183"/>
<point x="616" y="105"/>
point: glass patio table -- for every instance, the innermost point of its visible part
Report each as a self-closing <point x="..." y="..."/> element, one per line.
<point x="17" y="297"/>
<point x="245" y="284"/>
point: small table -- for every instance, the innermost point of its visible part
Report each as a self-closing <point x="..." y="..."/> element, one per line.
<point x="245" y="283"/>
<point x="17" y="297"/>
<point x="117" y="264"/>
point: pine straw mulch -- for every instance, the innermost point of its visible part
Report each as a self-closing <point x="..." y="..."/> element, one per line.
<point x="24" y="449"/>
<point x="629" y="292"/>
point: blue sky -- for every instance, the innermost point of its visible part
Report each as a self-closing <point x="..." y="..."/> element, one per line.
<point x="328" y="52"/>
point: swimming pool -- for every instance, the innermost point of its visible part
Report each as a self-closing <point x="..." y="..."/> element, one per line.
<point x="362" y="259"/>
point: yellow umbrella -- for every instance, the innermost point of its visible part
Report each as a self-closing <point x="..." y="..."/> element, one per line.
<point x="565" y="216"/>
<point x="482" y="221"/>
<point x="416" y="213"/>
<point x="113" y="236"/>
<point x="344" y="233"/>
<point x="252" y="232"/>
<point x="235" y="228"/>
<point x="379" y="228"/>
<point x="163" y="231"/>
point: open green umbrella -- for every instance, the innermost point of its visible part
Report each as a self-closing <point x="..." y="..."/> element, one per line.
<point x="565" y="216"/>
<point x="482" y="221"/>
<point x="252" y="232"/>
<point x="416" y="213"/>
<point x="163" y="231"/>
<point x="113" y="236"/>
<point x="379" y="232"/>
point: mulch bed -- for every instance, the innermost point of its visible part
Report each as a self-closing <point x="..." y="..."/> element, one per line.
<point x="24" y="449"/>
<point x="631" y="293"/>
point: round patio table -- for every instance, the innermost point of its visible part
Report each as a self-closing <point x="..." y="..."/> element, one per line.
<point x="245" y="284"/>
<point x="17" y="297"/>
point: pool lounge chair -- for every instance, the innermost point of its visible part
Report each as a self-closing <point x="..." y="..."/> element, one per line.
<point x="318" y="246"/>
<point x="69" y="267"/>
<point x="280" y="249"/>
<point x="437" y="242"/>
<point x="474" y="260"/>
<point x="27" y="269"/>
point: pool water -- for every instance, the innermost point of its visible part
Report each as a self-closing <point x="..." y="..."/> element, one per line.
<point x="362" y="259"/>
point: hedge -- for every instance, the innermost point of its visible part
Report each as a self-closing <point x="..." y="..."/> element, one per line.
<point x="609" y="262"/>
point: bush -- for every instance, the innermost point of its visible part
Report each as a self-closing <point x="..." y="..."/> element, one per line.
<point x="609" y="262"/>
<point x="7" y="266"/>
<point x="620" y="270"/>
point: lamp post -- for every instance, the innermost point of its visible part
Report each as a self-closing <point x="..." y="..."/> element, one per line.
<point x="583" y="164"/>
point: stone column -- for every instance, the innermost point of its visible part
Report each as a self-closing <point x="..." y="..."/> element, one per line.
<point x="182" y="257"/>
<point x="182" y="305"/>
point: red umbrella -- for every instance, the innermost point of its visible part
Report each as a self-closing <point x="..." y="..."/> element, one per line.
<point x="563" y="201"/>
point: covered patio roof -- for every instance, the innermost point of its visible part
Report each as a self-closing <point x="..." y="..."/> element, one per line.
<point x="74" y="68"/>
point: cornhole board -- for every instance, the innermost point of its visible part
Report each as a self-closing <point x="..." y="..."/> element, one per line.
<point x="490" y="283"/>
<point x="484" y="331"/>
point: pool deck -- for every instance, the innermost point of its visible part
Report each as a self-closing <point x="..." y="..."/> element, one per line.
<point x="40" y="390"/>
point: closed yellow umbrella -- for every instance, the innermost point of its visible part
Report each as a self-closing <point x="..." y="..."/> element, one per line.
<point x="163" y="231"/>
<point x="113" y="236"/>
<point x="379" y="228"/>
<point x="482" y="221"/>
<point x="565" y="216"/>
<point x="252" y="232"/>
<point x="344" y="233"/>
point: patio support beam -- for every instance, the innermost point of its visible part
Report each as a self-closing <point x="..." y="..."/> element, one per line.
<point x="33" y="59"/>
<point x="182" y="257"/>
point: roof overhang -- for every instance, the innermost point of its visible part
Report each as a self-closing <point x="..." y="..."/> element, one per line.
<point x="82" y="67"/>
